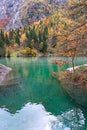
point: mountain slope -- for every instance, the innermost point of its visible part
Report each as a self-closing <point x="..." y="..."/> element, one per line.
<point x="23" y="12"/>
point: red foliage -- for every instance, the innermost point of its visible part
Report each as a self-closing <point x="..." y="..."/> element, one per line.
<point x="4" y="21"/>
<point x="60" y="62"/>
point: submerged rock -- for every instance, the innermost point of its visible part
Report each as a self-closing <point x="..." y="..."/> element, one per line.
<point x="75" y="84"/>
<point x="5" y="74"/>
<point x="77" y="92"/>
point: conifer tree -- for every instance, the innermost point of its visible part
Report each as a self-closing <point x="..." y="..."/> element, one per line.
<point x="7" y="41"/>
<point x="17" y="40"/>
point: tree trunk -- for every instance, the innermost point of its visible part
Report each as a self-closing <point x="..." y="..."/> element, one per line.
<point x="73" y="65"/>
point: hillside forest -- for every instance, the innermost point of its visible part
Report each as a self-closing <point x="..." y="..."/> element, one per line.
<point x="64" y="33"/>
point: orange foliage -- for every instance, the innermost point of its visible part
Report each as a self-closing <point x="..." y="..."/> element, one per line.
<point x="23" y="38"/>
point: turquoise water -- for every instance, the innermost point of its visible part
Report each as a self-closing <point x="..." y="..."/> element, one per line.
<point x="37" y="101"/>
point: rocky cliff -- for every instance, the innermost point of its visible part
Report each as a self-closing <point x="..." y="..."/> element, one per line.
<point x="18" y="13"/>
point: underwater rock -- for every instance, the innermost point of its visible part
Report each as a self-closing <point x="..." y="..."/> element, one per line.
<point x="5" y="74"/>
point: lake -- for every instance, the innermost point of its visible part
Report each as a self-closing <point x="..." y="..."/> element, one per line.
<point x="37" y="101"/>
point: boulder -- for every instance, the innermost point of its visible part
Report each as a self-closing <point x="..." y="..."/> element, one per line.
<point x="5" y="74"/>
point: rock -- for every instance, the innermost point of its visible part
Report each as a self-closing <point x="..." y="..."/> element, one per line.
<point x="74" y="84"/>
<point x="5" y="74"/>
<point x="77" y="93"/>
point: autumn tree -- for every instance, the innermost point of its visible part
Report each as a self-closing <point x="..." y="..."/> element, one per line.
<point x="54" y="41"/>
<point x="11" y="34"/>
<point x="74" y="39"/>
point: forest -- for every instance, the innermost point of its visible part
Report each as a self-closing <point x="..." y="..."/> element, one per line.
<point x="63" y="33"/>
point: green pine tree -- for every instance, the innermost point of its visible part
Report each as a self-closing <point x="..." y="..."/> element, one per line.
<point x="17" y="40"/>
<point x="7" y="41"/>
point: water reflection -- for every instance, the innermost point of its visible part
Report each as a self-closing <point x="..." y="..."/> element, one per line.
<point x="73" y="120"/>
<point x="36" y="85"/>
<point x="35" y="117"/>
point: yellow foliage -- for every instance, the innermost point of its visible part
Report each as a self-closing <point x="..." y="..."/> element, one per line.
<point x="6" y="33"/>
<point x="9" y="49"/>
<point x="23" y="37"/>
<point x="28" y="51"/>
<point x="15" y="45"/>
<point x="34" y="52"/>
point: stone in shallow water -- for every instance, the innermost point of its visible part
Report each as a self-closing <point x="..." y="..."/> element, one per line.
<point x="5" y="74"/>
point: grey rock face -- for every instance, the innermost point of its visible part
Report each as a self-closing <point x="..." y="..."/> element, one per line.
<point x="10" y="9"/>
<point x="24" y="12"/>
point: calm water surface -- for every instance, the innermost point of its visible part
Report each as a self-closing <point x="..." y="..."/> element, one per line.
<point x="38" y="101"/>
